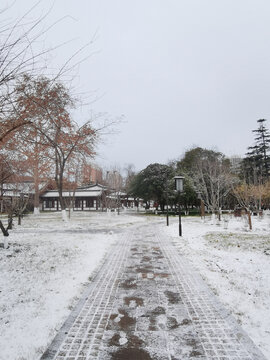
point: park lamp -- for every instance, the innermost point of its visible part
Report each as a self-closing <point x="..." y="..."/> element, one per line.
<point x="179" y="187"/>
<point x="179" y="183"/>
<point x="199" y="195"/>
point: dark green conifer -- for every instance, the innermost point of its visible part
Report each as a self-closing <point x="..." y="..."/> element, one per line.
<point x="257" y="161"/>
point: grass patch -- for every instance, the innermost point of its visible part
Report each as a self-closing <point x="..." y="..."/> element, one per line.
<point x="249" y="242"/>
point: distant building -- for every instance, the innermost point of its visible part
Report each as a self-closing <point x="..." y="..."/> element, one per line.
<point x="24" y="187"/>
<point x="122" y="198"/>
<point x="92" y="197"/>
<point x="236" y="162"/>
<point x="92" y="174"/>
<point x="84" y="198"/>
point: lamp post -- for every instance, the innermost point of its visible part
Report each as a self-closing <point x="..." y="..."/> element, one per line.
<point x="118" y="203"/>
<point x="167" y="208"/>
<point x="179" y="186"/>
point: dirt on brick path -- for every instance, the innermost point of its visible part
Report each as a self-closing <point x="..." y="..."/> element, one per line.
<point x="149" y="309"/>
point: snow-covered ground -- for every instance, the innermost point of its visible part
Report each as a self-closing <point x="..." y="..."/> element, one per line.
<point x="49" y="264"/>
<point x="44" y="271"/>
<point x="236" y="265"/>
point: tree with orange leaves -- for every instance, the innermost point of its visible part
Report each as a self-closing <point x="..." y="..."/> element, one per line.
<point x="46" y="106"/>
<point x="21" y="53"/>
<point x="18" y="55"/>
<point x="32" y="158"/>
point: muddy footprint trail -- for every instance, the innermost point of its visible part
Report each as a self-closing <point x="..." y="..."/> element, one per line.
<point x="147" y="303"/>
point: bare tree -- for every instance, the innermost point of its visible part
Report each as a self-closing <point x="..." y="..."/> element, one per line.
<point x="244" y="194"/>
<point x="23" y="51"/>
<point x="49" y="106"/>
<point x="6" y="173"/>
<point x="32" y="158"/>
<point x="213" y="180"/>
<point x="114" y="181"/>
<point x="130" y="174"/>
<point x="17" y="56"/>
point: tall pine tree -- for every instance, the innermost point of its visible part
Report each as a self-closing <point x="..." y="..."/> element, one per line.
<point x="257" y="161"/>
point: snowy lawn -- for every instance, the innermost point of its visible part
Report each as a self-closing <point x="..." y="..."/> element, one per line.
<point x="43" y="273"/>
<point x="236" y="265"/>
<point x="49" y="264"/>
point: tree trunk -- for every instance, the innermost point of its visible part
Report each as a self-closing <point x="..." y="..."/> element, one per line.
<point x="249" y="220"/>
<point x="36" y="177"/>
<point x="219" y="214"/>
<point x="4" y="230"/>
<point x="64" y="215"/>
<point x="2" y="205"/>
<point x="202" y="209"/>
<point x="10" y="223"/>
<point x="61" y="199"/>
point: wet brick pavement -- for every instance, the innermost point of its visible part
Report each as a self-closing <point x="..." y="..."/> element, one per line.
<point x="146" y="302"/>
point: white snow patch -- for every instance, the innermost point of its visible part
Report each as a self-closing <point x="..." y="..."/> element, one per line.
<point x="118" y="318"/>
<point x="123" y="338"/>
<point x="44" y="272"/>
<point x="235" y="263"/>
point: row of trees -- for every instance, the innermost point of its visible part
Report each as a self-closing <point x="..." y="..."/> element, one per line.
<point x="206" y="175"/>
<point x="209" y="175"/>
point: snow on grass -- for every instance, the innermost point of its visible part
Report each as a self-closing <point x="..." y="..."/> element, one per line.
<point x="49" y="262"/>
<point x="236" y="265"/>
<point x="43" y="273"/>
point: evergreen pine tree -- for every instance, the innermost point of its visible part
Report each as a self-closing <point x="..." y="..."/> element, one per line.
<point x="257" y="162"/>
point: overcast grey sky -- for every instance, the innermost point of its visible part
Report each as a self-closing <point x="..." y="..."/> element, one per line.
<point x="183" y="72"/>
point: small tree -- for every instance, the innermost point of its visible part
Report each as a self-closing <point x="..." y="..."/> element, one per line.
<point x="244" y="195"/>
<point x="210" y="174"/>
<point x="266" y="195"/>
<point x="6" y="173"/>
<point x="47" y="105"/>
<point x="130" y="174"/>
<point x="114" y="182"/>
<point x="32" y="157"/>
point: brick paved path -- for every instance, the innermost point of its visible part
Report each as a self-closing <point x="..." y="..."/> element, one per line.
<point x="147" y="303"/>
